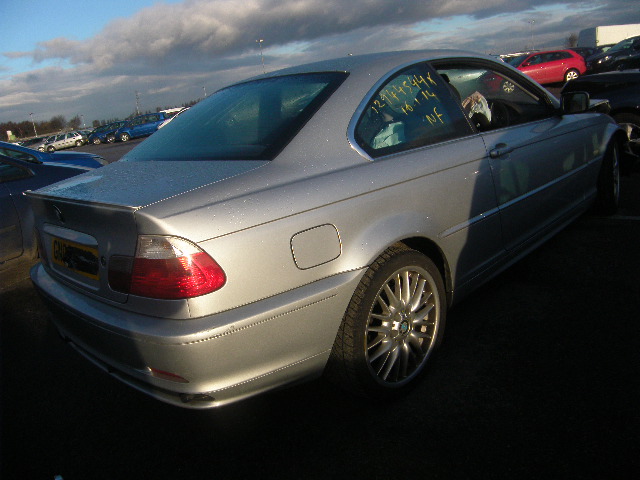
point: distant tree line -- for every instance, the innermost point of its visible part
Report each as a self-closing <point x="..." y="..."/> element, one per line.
<point x="59" y="123"/>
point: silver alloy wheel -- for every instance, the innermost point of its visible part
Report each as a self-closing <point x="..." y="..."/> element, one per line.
<point x="402" y="326"/>
<point x="508" y="87"/>
<point x="571" y="75"/>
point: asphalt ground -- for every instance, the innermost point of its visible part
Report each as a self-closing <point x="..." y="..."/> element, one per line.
<point x="537" y="378"/>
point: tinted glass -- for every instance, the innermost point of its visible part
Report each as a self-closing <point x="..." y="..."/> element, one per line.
<point x="516" y="61"/>
<point x="413" y="109"/>
<point x="19" y="155"/>
<point x="11" y="172"/>
<point x="250" y="121"/>
<point x="492" y="98"/>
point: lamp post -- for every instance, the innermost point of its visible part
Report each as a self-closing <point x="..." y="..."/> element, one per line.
<point x="261" y="56"/>
<point x="34" y="125"/>
<point x="82" y="120"/>
<point x="531" y="22"/>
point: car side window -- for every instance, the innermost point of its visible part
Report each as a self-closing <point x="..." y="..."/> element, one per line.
<point x="10" y="172"/>
<point x="535" y="60"/>
<point x="494" y="99"/>
<point x="412" y="109"/>
<point x="18" y="155"/>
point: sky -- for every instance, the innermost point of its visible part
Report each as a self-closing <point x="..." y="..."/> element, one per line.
<point x="96" y="59"/>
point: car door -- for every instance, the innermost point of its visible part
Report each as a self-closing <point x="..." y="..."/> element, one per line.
<point x="554" y="66"/>
<point x="150" y="124"/>
<point x="11" y="244"/>
<point x="66" y="140"/>
<point x="537" y="156"/>
<point x="535" y="68"/>
<point x="414" y="123"/>
<point x="136" y="126"/>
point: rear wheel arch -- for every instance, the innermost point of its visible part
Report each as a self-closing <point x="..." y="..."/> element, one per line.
<point x="430" y="249"/>
<point x="392" y="325"/>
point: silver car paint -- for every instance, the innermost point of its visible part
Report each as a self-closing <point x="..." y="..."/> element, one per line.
<point x="274" y="322"/>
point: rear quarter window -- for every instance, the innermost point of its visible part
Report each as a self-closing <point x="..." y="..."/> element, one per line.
<point x="412" y="109"/>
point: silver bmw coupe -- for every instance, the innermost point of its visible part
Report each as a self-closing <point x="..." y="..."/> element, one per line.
<point x="316" y="220"/>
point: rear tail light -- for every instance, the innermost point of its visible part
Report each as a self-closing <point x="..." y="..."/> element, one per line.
<point x="166" y="268"/>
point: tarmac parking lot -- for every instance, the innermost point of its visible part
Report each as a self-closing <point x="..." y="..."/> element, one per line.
<point x="537" y="378"/>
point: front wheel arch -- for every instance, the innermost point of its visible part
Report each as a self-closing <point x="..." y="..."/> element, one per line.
<point x="608" y="186"/>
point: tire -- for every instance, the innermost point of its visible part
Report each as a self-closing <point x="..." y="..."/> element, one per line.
<point x="631" y="123"/>
<point x="124" y="137"/>
<point x="111" y="139"/>
<point x="387" y="334"/>
<point x="608" y="196"/>
<point x="571" y="74"/>
<point x="78" y="143"/>
<point x="96" y="141"/>
<point x="621" y="66"/>
<point x="51" y="149"/>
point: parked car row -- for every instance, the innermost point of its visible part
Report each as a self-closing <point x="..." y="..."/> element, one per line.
<point x="555" y="66"/>
<point x="139" y="126"/>
<point x="104" y="133"/>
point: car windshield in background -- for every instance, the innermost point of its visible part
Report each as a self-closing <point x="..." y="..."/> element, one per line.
<point x="516" y="61"/>
<point x="249" y="121"/>
<point x="624" y="44"/>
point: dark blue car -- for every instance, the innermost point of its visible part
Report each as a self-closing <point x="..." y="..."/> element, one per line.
<point x="18" y="247"/>
<point x="83" y="159"/>
<point x="140" y="126"/>
<point x="105" y="133"/>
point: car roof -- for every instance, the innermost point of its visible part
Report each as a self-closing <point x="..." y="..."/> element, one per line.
<point x="375" y="63"/>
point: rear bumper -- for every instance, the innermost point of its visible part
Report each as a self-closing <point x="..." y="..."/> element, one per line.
<point x="209" y="361"/>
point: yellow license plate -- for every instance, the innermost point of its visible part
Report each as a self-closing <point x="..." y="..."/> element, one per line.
<point x="75" y="257"/>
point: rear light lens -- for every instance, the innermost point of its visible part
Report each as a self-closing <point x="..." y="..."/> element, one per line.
<point x="167" y="268"/>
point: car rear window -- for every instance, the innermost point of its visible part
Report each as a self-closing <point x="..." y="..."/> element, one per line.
<point x="248" y="121"/>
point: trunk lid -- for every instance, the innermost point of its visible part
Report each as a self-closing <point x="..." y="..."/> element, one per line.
<point x="87" y="222"/>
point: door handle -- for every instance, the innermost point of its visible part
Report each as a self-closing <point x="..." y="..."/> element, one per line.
<point x="500" y="149"/>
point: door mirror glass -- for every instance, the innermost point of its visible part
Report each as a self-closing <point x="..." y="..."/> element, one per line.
<point x="575" y="102"/>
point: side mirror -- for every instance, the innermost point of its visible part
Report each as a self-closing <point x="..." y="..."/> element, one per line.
<point x="574" y="102"/>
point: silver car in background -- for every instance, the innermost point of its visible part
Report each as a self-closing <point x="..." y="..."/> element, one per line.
<point x="320" y="219"/>
<point x="64" y="140"/>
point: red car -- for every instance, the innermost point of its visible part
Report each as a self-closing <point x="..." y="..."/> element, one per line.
<point x="550" y="67"/>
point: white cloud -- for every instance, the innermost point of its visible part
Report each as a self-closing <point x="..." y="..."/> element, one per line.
<point x="169" y="52"/>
